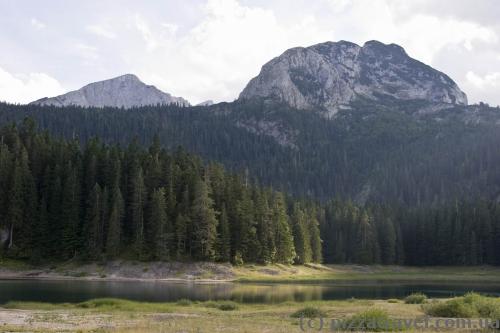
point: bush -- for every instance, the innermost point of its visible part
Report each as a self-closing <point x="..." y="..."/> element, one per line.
<point x="308" y="312"/>
<point x="450" y="309"/>
<point x="374" y="320"/>
<point x="101" y="302"/>
<point x="496" y="319"/>
<point x="416" y="298"/>
<point x="227" y="306"/>
<point x="393" y="300"/>
<point x="471" y="305"/>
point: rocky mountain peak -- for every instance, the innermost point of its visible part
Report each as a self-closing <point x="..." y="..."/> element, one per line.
<point x="330" y="75"/>
<point x="123" y="91"/>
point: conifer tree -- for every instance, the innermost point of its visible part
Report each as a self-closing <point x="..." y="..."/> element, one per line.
<point x="285" y="251"/>
<point x="114" y="235"/>
<point x="70" y="214"/>
<point x="302" y="243"/>
<point x="14" y="216"/>
<point x="93" y="222"/>
<point x="158" y="225"/>
<point x="204" y="222"/>
<point x="224" y="237"/>
<point x="315" y="237"/>
<point x="137" y="211"/>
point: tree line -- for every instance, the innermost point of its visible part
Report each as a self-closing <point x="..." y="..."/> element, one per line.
<point x="60" y="201"/>
<point x="63" y="199"/>
<point x="456" y="233"/>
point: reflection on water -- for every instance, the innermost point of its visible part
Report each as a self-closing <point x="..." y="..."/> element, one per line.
<point x="77" y="291"/>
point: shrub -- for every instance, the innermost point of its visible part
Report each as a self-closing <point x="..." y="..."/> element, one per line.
<point x="227" y="306"/>
<point x="450" y="309"/>
<point x="416" y="298"/>
<point x="308" y="312"/>
<point x="374" y="320"/>
<point x="393" y="300"/>
<point x="101" y="302"/>
<point x="471" y="305"/>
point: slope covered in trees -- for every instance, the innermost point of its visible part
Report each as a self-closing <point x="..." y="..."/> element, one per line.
<point x="392" y="152"/>
<point x="60" y="200"/>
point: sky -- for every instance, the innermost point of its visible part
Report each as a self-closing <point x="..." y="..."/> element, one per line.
<point x="210" y="49"/>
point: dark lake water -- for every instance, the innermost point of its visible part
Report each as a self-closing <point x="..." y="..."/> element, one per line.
<point x="78" y="291"/>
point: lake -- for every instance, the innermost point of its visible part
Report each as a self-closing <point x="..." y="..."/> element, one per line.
<point x="78" y="291"/>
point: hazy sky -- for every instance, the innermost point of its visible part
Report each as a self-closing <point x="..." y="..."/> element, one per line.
<point x="209" y="49"/>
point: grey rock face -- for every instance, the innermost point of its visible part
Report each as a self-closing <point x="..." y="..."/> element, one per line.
<point x="124" y="91"/>
<point x="328" y="75"/>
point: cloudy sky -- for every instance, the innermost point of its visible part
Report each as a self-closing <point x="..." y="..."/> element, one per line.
<point x="209" y="49"/>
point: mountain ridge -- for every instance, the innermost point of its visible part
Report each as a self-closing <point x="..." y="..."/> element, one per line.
<point x="122" y="91"/>
<point x="329" y="76"/>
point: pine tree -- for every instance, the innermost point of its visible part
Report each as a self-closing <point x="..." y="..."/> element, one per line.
<point x="285" y="251"/>
<point x="14" y="216"/>
<point x="158" y="225"/>
<point x="365" y="241"/>
<point x="183" y="226"/>
<point x="387" y="242"/>
<point x="265" y="230"/>
<point x="114" y="235"/>
<point x="70" y="214"/>
<point x="302" y="242"/>
<point x="224" y="237"/>
<point x="315" y="237"/>
<point x="137" y="211"/>
<point x="204" y="222"/>
<point x="247" y="243"/>
<point x="93" y="222"/>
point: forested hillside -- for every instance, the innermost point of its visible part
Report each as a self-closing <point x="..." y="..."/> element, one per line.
<point x="393" y="152"/>
<point x="60" y="200"/>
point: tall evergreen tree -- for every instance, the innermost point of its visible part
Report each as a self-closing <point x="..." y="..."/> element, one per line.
<point x="158" y="225"/>
<point x="93" y="223"/>
<point x="114" y="235"/>
<point x="204" y="222"/>
<point x="285" y="251"/>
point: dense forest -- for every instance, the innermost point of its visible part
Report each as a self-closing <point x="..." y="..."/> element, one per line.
<point x="373" y="153"/>
<point x="62" y="199"/>
<point x="459" y="233"/>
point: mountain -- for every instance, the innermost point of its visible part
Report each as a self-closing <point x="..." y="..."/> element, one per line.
<point x="205" y="103"/>
<point x="123" y="91"/>
<point x="382" y="145"/>
<point x="329" y="76"/>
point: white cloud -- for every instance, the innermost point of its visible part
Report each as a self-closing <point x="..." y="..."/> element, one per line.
<point x="147" y="34"/>
<point x="100" y="31"/>
<point x="217" y="57"/>
<point x="488" y="81"/>
<point x="422" y="34"/>
<point x="483" y="88"/>
<point x="37" y="24"/>
<point x="170" y="28"/>
<point x="87" y="52"/>
<point x="24" y="88"/>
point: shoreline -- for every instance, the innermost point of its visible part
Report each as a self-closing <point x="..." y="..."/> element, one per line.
<point x="114" y="279"/>
<point x="213" y="273"/>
